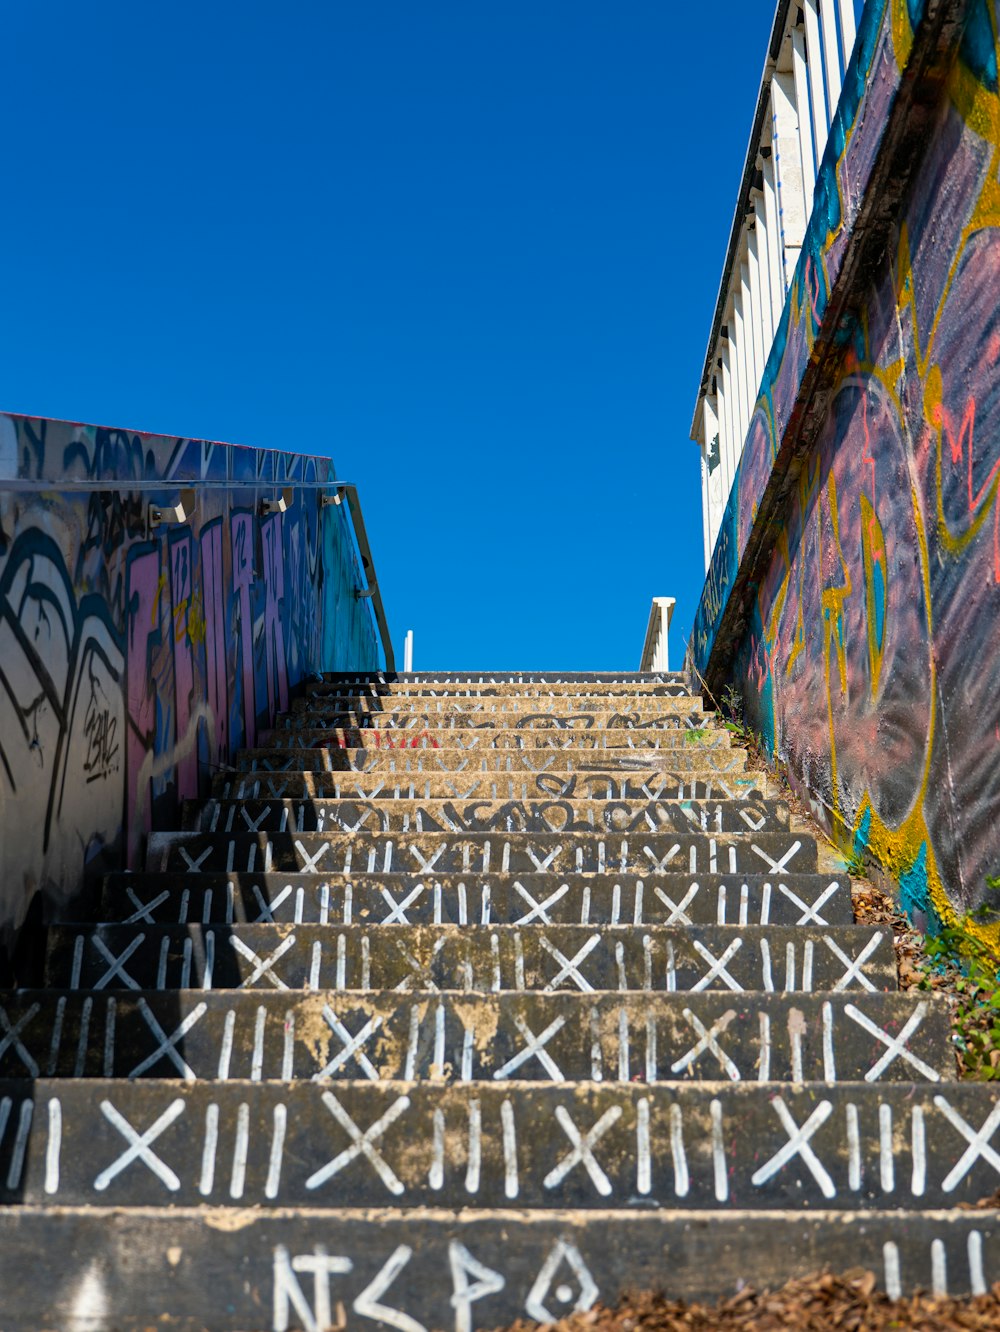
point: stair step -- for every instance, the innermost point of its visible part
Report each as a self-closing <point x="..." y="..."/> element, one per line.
<point x="277" y="1270"/>
<point x="550" y="815"/>
<point x="472" y="958"/>
<point x="436" y="679"/>
<point x="651" y="784"/>
<point x="746" y="1145"/>
<point x="687" y="719"/>
<point x="695" y="758"/>
<point x="472" y="853"/>
<point x="569" y="710"/>
<point x="540" y="956"/>
<point x="579" y="689"/>
<point x="310" y="731"/>
<point x="408" y="899"/>
<point x="651" y="1038"/>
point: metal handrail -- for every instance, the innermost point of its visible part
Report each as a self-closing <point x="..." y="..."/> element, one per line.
<point x="368" y="564"/>
<point x="181" y="512"/>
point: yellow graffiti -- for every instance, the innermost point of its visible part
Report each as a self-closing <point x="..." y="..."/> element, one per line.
<point x="902" y="32"/>
<point x="875" y="564"/>
<point x="160" y="586"/>
<point x="196" y="620"/>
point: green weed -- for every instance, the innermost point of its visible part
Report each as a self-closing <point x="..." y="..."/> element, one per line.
<point x="962" y="965"/>
<point x="855" y="863"/>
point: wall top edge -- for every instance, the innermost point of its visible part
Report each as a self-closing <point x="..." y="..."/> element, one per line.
<point x="31" y="445"/>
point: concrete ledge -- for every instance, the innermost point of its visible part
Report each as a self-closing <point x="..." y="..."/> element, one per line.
<point x="268" y="1269"/>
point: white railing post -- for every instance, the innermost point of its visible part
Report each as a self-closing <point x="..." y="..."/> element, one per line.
<point x="750" y="380"/>
<point x="757" y="322"/>
<point x="788" y="170"/>
<point x="848" y="29"/>
<point x="800" y="79"/>
<point x="408" y="651"/>
<point x="711" y="487"/>
<point x="706" y="519"/>
<point x="831" y="56"/>
<point x="738" y="344"/>
<point x="730" y="392"/>
<point x="774" y="248"/>
<point x="757" y="241"/>
<point x="814" y="64"/>
<point x="655" y="655"/>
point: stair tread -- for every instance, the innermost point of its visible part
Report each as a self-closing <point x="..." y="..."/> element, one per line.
<point x="515" y="705"/>
<point x="747" y="1144"/>
<point x="273" y="1267"/>
<point x="428" y="852"/>
<point x="651" y="785"/>
<point x="452" y="1036"/>
<point x="473" y="957"/>
<point x="693" y="758"/>
<point x="682" y="738"/>
<point x="539" y="955"/>
<point x="785" y="899"/>
<point x="551" y="814"/>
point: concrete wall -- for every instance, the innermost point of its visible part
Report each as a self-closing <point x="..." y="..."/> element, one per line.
<point x="854" y="594"/>
<point x="135" y="660"/>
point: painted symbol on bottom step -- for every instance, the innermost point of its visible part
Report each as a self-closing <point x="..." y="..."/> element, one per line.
<point x="305" y="1289"/>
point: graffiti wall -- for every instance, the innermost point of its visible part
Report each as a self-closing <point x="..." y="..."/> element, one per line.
<point x="136" y="658"/>
<point x="871" y="662"/>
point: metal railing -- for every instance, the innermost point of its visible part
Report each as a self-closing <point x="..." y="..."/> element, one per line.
<point x="810" y="46"/>
<point x="280" y="500"/>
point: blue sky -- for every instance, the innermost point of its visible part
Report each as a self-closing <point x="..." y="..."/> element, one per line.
<point x="468" y="250"/>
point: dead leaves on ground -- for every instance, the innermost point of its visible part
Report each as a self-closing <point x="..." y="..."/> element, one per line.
<point x="848" y="1303"/>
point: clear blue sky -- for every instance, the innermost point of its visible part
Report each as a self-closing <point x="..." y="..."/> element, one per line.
<point x="468" y="250"/>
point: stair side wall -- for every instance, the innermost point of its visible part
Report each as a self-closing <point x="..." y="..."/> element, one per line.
<point x="135" y="660"/>
<point x="854" y="600"/>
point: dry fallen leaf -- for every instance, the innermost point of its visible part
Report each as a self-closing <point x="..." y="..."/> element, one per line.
<point x="823" y="1302"/>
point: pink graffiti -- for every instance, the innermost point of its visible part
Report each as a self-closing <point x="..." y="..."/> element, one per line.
<point x="216" y="690"/>
<point x="960" y="442"/>
<point x="180" y="592"/>
<point x="142" y="636"/>
<point x="274" y="595"/>
<point x="242" y="536"/>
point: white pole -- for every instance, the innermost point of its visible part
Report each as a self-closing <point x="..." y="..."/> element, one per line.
<point x="800" y="78"/>
<point x="848" y="29"/>
<point x="775" y="245"/>
<point x="814" y="66"/>
<point x="408" y="651"/>
<point x="831" y="55"/>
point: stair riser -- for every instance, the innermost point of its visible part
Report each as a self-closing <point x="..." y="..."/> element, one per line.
<point x="367" y="1145"/>
<point x="544" y="692"/>
<point x="467" y="738"/>
<point x="477" y="959"/>
<point x="518" y="709"/>
<point x="462" y="722"/>
<point x="438" y="1271"/>
<point x="527" y="1037"/>
<point x="463" y="765"/>
<point x="450" y="899"/>
<point x="644" y="787"/>
<point x="438" y="680"/>
<point x="451" y="816"/>
<point x="482" y="853"/>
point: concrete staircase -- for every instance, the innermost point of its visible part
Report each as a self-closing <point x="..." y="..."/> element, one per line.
<point x="469" y="998"/>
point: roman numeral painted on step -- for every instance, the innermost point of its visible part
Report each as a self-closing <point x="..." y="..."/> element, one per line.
<point x="362" y="1144"/>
